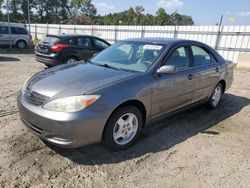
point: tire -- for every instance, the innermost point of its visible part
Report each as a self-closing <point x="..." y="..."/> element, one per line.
<point x="129" y="129"/>
<point x="21" y="44"/>
<point x="215" y="98"/>
<point x="48" y="66"/>
<point x="71" y="60"/>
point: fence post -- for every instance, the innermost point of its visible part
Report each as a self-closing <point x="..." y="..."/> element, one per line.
<point x="175" y="31"/>
<point x="47" y="29"/>
<point x="92" y="30"/>
<point x="35" y="32"/>
<point x="74" y="29"/>
<point x="142" y="32"/>
<point x="60" y="29"/>
<point x="115" y="33"/>
<point x="219" y="34"/>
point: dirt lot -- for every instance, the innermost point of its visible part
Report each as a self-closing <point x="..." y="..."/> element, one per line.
<point x="198" y="148"/>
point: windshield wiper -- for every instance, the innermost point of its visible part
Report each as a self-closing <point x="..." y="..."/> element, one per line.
<point x="105" y="65"/>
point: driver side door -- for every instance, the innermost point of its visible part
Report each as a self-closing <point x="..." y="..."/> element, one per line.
<point x="174" y="91"/>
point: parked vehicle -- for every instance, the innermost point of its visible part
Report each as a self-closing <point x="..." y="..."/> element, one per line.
<point x="19" y="36"/>
<point x="61" y="49"/>
<point x="127" y="86"/>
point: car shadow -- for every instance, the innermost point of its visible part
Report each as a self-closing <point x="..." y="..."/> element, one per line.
<point x="163" y="135"/>
<point x="7" y="59"/>
<point x="14" y="50"/>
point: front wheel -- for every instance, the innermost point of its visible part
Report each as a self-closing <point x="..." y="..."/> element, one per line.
<point x="123" y="128"/>
<point x="215" y="98"/>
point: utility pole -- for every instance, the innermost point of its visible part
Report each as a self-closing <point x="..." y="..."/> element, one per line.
<point x="219" y="34"/>
<point x="29" y="18"/>
<point x="8" y="16"/>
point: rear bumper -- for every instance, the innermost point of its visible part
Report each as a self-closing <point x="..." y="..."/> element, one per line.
<point x="68" y="130"/>
<point x="50" y="60"/>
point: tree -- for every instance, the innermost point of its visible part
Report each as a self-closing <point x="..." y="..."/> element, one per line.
<point x="81" y="7"/>
<point x="182" y="19"/>
<point x="1" y="13"/>
<point x="162" y="18"/>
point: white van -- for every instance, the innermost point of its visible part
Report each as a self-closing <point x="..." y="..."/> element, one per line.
<point x="19" y="35"/>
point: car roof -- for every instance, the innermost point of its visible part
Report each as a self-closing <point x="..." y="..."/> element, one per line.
<point x="66" y="36"/>
<point x="158" y="40"/>
<point x="12" y="24"/>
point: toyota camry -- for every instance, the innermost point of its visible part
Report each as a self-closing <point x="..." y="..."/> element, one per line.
<point x="121" y="90"/>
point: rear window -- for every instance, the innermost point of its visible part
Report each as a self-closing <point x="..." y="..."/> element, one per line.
<point x="4" y="30"/>
<point x="18" y="31"/>
<point x="51" y="40"/>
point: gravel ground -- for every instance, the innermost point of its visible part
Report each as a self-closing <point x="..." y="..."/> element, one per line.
<point x="198" y="148"/>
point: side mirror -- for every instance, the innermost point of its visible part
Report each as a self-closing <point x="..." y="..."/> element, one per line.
<point x="166" y="69"/>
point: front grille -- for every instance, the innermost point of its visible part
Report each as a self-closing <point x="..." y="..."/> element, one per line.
<point x="34" y="97"/>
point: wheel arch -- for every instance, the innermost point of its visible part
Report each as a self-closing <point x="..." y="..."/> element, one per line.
<point x="18" y="40"/>
<point x="136" y="103"/>
<point x="223" y="83"/>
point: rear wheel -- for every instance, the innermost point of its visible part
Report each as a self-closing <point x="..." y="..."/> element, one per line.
<point x="123" y="128"/>
<point x="21" y="44"/>
<point x="215" y="98"/>
<point x="71" y="60"/>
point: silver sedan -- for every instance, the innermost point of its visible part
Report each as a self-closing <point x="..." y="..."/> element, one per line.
<point x="131" y="84"/>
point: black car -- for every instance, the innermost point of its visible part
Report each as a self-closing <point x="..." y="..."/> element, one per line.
<point x="60" y="49"/>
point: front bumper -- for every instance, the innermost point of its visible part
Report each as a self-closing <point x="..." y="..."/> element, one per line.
<point x="69" y="130"/>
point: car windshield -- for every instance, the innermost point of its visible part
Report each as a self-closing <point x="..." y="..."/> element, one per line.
<point x="130" y="56"/>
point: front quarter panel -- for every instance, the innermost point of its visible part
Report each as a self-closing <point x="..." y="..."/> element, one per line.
<point x="136" y="88"/>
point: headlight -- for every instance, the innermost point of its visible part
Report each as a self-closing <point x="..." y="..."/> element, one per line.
<point x="71" y="104"/>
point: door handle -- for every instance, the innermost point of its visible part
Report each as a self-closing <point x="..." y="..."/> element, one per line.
<point x="217" y="69"/>
<point x="190" y="77"/>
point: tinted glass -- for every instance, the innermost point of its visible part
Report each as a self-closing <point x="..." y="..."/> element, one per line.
<point x="84" y="42"/>
<point x="4" y="30"/>
<point x="201" y="56"/>
<point x="51" y="40"/>
<point x="179" y="58"/>
<point x="133" y="56"/>
<point x="100" y="44"/>
<point x="18" y="31"/>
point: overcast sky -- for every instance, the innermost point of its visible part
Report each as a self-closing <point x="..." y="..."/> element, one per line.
<point x="204" y="12"/>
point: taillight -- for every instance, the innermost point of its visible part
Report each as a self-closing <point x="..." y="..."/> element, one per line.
<point x="30" y="37"/>
<point x="58" y="47"/>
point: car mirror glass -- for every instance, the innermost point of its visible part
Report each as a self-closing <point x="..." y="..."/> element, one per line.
<point x="167" y="69"/>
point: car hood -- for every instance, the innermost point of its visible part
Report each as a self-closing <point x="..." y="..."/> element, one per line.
<point x="74" y="79"/>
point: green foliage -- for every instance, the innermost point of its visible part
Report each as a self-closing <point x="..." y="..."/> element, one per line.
<point x="84" y="12"/>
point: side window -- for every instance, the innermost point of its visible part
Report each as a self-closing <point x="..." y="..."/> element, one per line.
<point x="4" y="30"/>
<point x="100" y="44"/>
<point x="18" y="31"/>
<point x="201" y="56"/>
<point x="84" y="42"/>
<point x="179" y="58"/>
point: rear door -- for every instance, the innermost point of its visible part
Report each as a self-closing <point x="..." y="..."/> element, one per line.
<point x="86" y="46"/>
<point x="207" y="72"/>
<point x="4" y="36"/>
<point x="19" y="33"/>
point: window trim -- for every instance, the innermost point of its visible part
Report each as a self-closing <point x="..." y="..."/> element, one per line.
<point x="207" y="51"/>
<point x="85" y="47"/>
<point x="94" y="45"/>
<point x="185" y="45"/>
